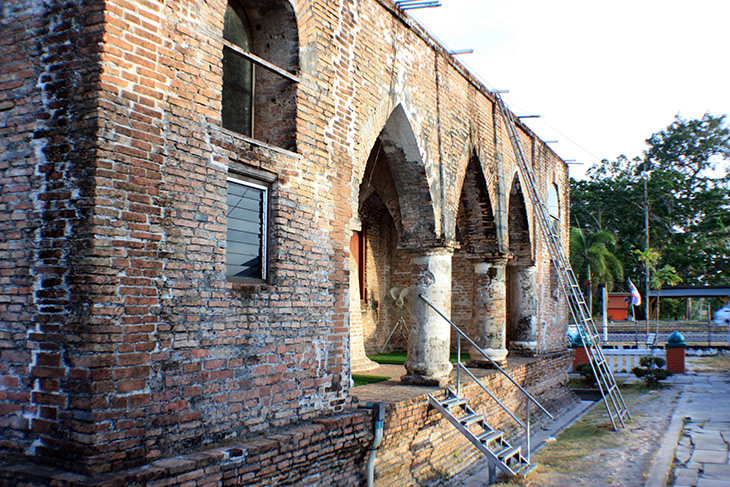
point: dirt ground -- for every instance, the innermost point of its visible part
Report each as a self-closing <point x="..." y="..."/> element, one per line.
<point x="590" y="453"/>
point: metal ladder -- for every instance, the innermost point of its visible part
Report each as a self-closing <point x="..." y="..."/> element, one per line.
<point x="612" y="398"/>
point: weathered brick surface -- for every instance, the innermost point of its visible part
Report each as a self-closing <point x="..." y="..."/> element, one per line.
<point x="121" y="341"/>
<point x="329" y="451"/>
<point x="48" y="81"/>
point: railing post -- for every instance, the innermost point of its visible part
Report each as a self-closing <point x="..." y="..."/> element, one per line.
<point x="527" y="407"/>
<point x="458" y="365"/>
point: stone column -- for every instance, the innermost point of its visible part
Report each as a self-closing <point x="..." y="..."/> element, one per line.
<point x="489" y="314"/>
<point x="524" y="340"/>
<point x="428" y="344"/>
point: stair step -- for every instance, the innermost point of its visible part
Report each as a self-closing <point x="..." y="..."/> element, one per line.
<point x="508" y="453"/>
<point x="525" y="468"/>
<point x="454" y="401"/>
<point x="471" y="419"/>
<point x="489" y="436"/>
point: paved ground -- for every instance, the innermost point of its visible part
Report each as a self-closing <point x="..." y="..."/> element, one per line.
<point x="703" y="420"/>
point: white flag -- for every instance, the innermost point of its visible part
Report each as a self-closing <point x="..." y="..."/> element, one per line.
<point x="635" y="296"/>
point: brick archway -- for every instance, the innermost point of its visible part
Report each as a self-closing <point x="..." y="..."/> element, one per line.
<point x="520" y="246"/>
<point x="478" y="277"/>
<point x="407" y="167"/>
<point x="521" y="277"/>
<point x="395" y="210"/>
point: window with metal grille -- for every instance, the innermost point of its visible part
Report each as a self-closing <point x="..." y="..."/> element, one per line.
<point x="247" y="228"/>
<point x="258" y="96"/>
<point x="238" y="73"/>
<point x="554" y="209"/>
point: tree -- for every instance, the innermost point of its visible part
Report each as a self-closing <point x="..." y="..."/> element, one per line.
<point x="649" y="257"/>
<point x="687" y="176"/>
<point x="593" y="258"/>
<point x="660" y="277"/>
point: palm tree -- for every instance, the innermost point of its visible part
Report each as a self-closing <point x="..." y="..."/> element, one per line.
<point x="665" y="275"/>
<point x="593" y="261"/>
<point x="649" y="257"/>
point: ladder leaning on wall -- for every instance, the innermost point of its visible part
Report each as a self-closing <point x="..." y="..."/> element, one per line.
<point x="612" y="398"/>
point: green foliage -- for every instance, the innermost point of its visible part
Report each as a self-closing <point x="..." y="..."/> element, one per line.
<point x="649" y="257"/>
<point x="399" y="358"/>
<point x="651" y="371"/>
<point x="688" y="201"/>
<point x="592" y="259"/>
<point x="361" y="380"/>
<point x="672" y="309"/>
<point x="586" y="371"/>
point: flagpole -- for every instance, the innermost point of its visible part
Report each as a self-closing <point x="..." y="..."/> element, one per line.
<point x="632" y="290"/>
<point x="646" y="227"/>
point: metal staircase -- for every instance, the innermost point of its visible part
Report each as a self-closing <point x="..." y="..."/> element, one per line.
<point x="491" y="443"/>
<point x="612" y="398"/>
<point x="500" y="453"/>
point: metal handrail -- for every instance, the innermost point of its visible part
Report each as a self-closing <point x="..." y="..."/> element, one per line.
<point x="526" y="424"/>
<point x="496" y="366"/>
<point x="491" y="394"/>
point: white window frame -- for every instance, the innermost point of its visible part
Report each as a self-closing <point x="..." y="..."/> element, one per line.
<point x="264" y="228"/>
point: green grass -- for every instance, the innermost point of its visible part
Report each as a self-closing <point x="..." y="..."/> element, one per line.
<point x="361" y="380"/>
<point x="399" y="358"/>
<point x="394" y="358"/>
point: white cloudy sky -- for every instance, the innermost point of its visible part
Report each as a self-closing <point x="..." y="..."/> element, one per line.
<point x="603" y="75"/>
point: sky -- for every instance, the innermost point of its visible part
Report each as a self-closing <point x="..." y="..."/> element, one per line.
<point x="602" y="75"/>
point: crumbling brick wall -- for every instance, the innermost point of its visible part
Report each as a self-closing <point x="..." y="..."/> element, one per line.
<point x="122" y="341"/>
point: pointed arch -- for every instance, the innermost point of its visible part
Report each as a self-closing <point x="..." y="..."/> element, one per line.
<point x="476" y="226"/>
<point x="397" y="146"/>
<point x="519" y="231"/>
<point x="378" y="181"/>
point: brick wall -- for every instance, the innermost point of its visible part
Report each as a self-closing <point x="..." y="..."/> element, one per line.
<point x="122" y="342"/>
<point x="329" y="451"/>
<point x="48" y="85"/>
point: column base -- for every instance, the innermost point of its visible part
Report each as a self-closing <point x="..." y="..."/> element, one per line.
<point x="499" y="355"/>
<point x="363" y="364"/>
<point x="427" y="374"/>
<point x="524" y="349"/>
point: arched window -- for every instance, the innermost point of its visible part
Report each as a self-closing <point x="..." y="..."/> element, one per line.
<point x="260" y="55"/>
<point x="554" y="208"/>
<point x="238" y="74"/>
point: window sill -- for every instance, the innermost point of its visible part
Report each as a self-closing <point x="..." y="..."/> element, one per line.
<point x="255" y="143"/>
<point x="239" y="282"/>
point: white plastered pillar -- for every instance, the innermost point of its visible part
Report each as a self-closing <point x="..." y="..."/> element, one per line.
<point x="524" y="341"/>
<point x="489" y="312"/>
<point x="429" y="341"/>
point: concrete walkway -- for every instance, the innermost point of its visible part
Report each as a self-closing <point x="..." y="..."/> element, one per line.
<point x="698" y="438"/>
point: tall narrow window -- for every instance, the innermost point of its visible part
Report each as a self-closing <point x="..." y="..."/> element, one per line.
<point x="554" y="209"/>
<point x="260" y="57"/>
<point x="246" y="234"/>
<point x="357" y="250"/>
<point x="238" y="74"/>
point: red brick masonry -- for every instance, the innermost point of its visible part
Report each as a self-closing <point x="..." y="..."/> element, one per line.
<point x="675" y="360"/>
<point x="329" y="451"/>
